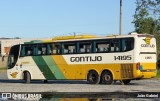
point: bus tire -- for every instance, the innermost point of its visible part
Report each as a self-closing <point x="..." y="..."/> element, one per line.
<point x="27" y="77"/>
<point x="107" y="78"/>
<point x="93" y="77"/>
<point x="126" y="81"/>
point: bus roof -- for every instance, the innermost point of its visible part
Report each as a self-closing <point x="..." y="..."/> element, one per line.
<point x="90" y="37"/>
<point x="87" y="37"/>
<point x="74" y="37"/>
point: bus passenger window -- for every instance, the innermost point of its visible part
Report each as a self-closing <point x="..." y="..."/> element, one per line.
<point x="127" y="44"/>
<point x="123" y="45"/>
<point x="49" y="49"/>
<point x="85" y="47"/>
<point x="69" y="48"/>
<point x="115" y="45"/>
<point x="22" y="53"/>
<point x="102" y="46"/>
<point x="53" y="49"/>
<point x="28" y="51"/>
<point x="112" y="47"/>
<point x="39" y="50"/>
<point x="42" y="49"/>
<point x="58" y="49"/>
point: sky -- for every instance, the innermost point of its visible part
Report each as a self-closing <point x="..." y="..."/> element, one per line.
<point x="50" y="18"/>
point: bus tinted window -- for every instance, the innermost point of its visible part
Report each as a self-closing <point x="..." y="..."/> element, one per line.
<point x="53" y="48"/>
<point x="127" y="44"/>
<point x="115" y="45"/>
<point x="42" y="49"/>
<point x="85" y="47"/>
<point x="103" y="46"/>
<point x="69" y="48"/>
<point x="28" y="50"/>
<point x="95" y="46"/>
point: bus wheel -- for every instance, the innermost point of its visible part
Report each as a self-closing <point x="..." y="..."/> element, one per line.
<point x="27" y="77"/>
<point x="125" y="81"/>
<point x="93" y="77"/>
<point x="107" y="77"/>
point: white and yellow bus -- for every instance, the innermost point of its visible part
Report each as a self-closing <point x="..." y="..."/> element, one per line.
<point x="83" y="57"/>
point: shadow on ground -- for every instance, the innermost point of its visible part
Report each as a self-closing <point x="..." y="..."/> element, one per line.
<point x="64" y="82"/>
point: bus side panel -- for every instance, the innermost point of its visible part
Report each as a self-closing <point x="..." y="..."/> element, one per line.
<point x="82" y="63"/>
<point x="69" y="71"/>
<point x="80" y="71"/>
<point x="53" y="68"/>
<point x="25" y="64"/>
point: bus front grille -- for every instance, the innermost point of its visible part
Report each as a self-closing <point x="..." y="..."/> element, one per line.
<point x="126" y="71"/>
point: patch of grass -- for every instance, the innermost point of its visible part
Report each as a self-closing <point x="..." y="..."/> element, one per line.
<point x="4" y="68"/>
<point x="158" y="74"/>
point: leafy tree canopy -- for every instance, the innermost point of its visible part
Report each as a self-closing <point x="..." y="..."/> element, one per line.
<point x="146" y="16"/>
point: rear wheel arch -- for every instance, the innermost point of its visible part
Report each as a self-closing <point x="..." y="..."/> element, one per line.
<point x="93" y="77"/>
<point x="99" y="73"/>
<point x="109" y="71"/>
<point x="106" y="77"/>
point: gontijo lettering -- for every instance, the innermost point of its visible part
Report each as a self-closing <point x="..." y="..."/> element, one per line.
<point x="86" y="59"/>
<point x="148" y="45"/>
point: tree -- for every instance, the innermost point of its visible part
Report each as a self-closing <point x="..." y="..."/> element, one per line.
<point x="147" y="18"/>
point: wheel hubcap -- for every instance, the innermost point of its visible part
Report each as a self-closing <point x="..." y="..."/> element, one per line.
<point x="92" y="77"/>
<point x="107" y="77"/>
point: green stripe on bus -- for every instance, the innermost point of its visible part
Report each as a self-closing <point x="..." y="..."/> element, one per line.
<point x="53" y="67"/>
<point x="43" y="67"/>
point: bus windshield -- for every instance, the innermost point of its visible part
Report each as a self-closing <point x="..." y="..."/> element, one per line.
<point x="13" y="56"/>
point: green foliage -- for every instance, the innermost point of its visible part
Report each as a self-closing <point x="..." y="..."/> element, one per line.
<point x="3" y="68"/>
<point x="145" y="16"/>
<point x="158" y="74"/>
<point x="146" y="25"/>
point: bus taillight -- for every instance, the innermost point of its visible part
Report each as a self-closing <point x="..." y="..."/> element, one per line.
<point x="138" y="66"/>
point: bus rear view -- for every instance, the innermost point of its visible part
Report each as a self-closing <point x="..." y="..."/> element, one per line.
<point x="147" y="55"/>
